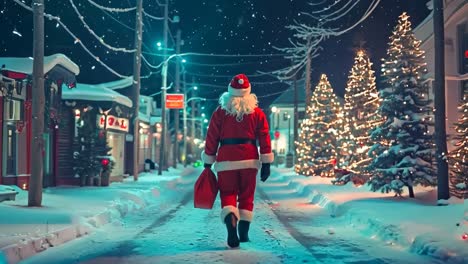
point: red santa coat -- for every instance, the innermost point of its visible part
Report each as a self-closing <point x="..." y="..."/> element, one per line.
<point x="240" y="156"/>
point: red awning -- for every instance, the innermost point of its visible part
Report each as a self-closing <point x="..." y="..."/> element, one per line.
<point x="14" y="75"/>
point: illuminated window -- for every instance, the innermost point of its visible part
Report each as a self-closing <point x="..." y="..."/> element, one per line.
<point x="14" y="110"/>
<point x="11" y="150"/>
<point x="462" y="31"/>
<point x="464" y="89"/>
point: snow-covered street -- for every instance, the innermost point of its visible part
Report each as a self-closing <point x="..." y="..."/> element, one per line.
<point x="285" y="230"/>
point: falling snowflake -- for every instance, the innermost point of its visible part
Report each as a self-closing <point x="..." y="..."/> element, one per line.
<point x="17" y="33"/>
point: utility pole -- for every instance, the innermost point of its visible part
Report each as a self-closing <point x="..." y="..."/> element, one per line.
<point x="163" y="94"/>
<point x="176" y="113"/>
<point x="296" y="114"/>
<point x="193" y="112"/>
<point x="38" y="102"/>
<point x="184" y="154"/>
<point x="308" y="91"/>
<point x="443" y="191"/>
<point x="136" y="87"/>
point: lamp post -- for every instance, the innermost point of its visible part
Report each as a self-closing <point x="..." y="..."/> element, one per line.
<point x="185" y="125"/>
<point x="287" y="116"/>
<point x="163" y="109"/>
<point x="275" y="110"/>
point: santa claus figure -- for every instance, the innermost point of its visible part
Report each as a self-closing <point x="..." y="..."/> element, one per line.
<point x="238" y="143"/>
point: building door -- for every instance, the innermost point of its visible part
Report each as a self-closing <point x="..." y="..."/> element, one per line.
<point x="117" y="143"/>
<point x="11" y="150"/>
<point x="48" y="161"/>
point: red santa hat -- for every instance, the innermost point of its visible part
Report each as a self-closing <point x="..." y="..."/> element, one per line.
<point x="239" y="85"/>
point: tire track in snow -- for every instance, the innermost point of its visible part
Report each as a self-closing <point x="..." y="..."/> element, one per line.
<point x="315" y="244"/>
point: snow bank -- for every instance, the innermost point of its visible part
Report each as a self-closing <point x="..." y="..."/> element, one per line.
<point x="417" y="225"/>
<point x="72" y="212"/>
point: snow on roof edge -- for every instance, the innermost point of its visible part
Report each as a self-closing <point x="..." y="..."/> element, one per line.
<point x="119" y="84"/>
<point x="95" y="92"/>
<point x="25" y="65"/>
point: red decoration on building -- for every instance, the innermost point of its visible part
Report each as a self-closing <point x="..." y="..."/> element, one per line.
<point x="101" y="134"/>
<point x="277" y="134"/>
<point x="19" y="126"/>
<point x="105" y="162"/>
<point x="27" y="104"/>
<point x="466" y="54"/>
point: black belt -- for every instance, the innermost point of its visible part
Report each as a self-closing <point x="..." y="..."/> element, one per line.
<point x="237" y="141"/>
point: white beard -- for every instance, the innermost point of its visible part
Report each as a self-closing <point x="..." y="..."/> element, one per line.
<point x="238" y="106"/>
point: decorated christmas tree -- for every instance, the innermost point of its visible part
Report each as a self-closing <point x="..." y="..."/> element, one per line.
<point x="316" y="149"/>
<point x="89" y="147"/>
<point x="459" y="156"/>
<point x="360" y="115"/>
<point x="404" y="148"/>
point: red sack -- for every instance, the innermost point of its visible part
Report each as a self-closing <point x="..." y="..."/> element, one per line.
<point x="205" y="190"/>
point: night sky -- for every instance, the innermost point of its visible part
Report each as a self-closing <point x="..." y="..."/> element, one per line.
<point x="211" y="27"/>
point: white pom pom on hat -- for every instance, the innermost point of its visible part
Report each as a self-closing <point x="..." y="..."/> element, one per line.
<point x="239" y="85"/>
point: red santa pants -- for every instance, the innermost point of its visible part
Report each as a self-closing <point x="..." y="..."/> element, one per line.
<point x="237" y="187"/>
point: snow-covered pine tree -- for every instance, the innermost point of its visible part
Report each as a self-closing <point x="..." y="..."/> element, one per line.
<point x="85" y="162"/>
<point x="318" y="136"/>
<point x="360" y="115"/>
<point x="459" y="156"/>
<point x="404" y="148"/>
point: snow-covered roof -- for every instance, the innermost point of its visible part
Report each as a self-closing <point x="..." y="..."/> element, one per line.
<point x="143" y="117"/>
<point x="25" y="65"/>
<point x="154" y="120"/>
<point x="96" y="92"/>
<point x="119" y="84"/>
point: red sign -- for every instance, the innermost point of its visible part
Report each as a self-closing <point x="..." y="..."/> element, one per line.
<point x="175" y="101"/>
<point x="466" y="54"/>
<point x="277" y="134"/>
<point x="113" y="122"/>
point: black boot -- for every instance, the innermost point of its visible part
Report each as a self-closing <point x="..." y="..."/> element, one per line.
<point x="231" y="225"/>
<point x="244" y="231"/>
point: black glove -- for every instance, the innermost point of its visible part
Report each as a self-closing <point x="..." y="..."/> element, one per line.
<point x="265" y="172"/>
<point x="207" y="166"/>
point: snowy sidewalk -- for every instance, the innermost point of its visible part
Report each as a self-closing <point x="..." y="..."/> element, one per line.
<point x="415" y="225"/>
<point x="69" y="212"/>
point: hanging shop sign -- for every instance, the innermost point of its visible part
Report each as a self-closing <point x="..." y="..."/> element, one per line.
<point x="113" y="122"/>
<point x="175" y="101"/>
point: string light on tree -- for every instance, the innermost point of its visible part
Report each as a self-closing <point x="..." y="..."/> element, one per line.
<point x="459" y="156"/>
<point x="403" y="152"/>
<point x="316" y="149"/>
<point x="360" y="115"/>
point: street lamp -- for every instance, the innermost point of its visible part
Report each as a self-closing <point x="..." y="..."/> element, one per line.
<point x="163" y="109"/>
<point x="287" y="117"/>
<point x="185" y="124"/>
<point x="276" y="112"/>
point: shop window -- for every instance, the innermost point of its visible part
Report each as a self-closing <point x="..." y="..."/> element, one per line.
<point x="464" y="89"/>
<point x="462" y="32"/>
<point x="13" y="110"/>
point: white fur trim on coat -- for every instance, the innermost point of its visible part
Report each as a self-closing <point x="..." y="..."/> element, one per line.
<point x="238" y="92"/>
<point x="237" y="165"/>
<point x="207" y="158"/>
<point x="267" y="158"/>
<point x="246" y="215"/>
<point x="227" y="210"/>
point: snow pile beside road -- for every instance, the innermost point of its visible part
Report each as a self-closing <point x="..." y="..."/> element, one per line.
<point x="416" y="225"/>
<point x="72" y="212"/>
